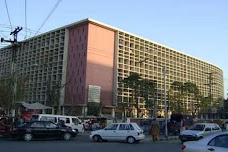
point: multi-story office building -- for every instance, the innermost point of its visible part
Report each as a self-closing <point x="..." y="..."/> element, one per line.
<point x="90" y="59"/>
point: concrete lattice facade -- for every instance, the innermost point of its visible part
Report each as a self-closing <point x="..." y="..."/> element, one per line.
<point x="92" y="53"/>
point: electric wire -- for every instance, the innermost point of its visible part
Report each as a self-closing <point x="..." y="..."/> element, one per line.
<point x="49" y="15"/>
<point x="8" y="14"/>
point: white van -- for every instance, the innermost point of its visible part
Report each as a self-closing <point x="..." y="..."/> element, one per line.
<point x="71" y="121"/>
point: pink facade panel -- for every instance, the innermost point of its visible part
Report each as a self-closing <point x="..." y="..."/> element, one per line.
<point x="100" y="61"/>
<point x="76" y="65"/>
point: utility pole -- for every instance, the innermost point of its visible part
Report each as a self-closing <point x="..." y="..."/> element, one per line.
<point x="14" y="43"/>
<point x="166" y="116"/>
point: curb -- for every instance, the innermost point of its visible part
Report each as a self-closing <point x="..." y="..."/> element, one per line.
<point x="149" y="138"/>
<point x="170" y="138"/>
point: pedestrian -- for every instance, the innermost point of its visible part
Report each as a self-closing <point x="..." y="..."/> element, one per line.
<point x="155" y="130"/>
<point x="182" y="125"/>
<point x="3" y="126"/>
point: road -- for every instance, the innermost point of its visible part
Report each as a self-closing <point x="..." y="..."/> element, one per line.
<point x="83" y="144"/>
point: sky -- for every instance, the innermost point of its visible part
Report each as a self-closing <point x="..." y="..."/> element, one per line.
<point x="198" y="27"/>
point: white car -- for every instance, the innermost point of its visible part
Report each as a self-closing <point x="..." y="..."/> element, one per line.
<point x="129" y="132"/>
<point x="198" y="131"/>
<point x="217" y="142"/>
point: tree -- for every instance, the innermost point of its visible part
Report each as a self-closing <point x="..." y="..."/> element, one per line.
<point x="147" y="91"/>
<point x="5" y="98"/>
<point x="133" y="81"/>
<point x="176" y="93"/>
<point x="7" y="90"/>
<point x="204" y="105"/>
<point x="94" y="108"/>
<point x="192" y="88"/>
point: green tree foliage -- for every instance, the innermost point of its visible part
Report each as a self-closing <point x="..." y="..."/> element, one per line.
<point x="94" y="108"/>
<point x="192" y="90"/>
<point x="133" y="81"/>
<point x="175" y="96"/>
<point x="139" y="88"/>
<point x="5" y="97"/>
<point x="147" y="91"/>
<point x="6" y="91"/>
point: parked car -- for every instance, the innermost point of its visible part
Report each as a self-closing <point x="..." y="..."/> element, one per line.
<point x="198" y="131"/>
<point x="175" y="122"/>
<point x="71" y="121"/>
<point x="42" y="129"/>
<point x="217" y="142"/>
<point x="129" y="132"/>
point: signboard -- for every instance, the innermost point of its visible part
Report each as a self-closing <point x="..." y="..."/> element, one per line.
<point x="94" y="93"/>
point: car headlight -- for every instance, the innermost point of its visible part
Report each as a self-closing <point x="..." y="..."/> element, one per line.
<point x="73" y="130"/>
<point x="195" y="135"/>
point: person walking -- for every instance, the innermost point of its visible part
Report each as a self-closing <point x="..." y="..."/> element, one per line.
<point x="182" y="125"/>
<point x="155" y="130"/>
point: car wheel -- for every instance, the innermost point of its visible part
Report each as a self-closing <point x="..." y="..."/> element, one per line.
<point x="66" y="136"/>
<point x="130" y="140"/>
<point x="28" y="137"/>
<point x="96" y="138"/>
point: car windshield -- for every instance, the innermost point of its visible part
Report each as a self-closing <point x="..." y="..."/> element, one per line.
<point x="197" y="127"/>
<point x="34" y="117"/>
<point x="23" y="124"/>
<point x="137" y="126"/>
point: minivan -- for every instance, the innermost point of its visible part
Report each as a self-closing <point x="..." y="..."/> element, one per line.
<point x="71" y="121"/>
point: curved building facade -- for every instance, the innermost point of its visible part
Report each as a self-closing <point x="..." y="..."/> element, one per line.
<point x="90" y="59"/>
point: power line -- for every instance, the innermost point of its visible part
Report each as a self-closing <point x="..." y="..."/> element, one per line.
<point x="8" y="26"/>
<point x="49" y="15"/>
<point x="25" y="19"/>
<point x="8" y="15"/>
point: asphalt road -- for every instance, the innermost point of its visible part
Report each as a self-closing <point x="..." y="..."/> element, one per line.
<point x="83" y="144"/>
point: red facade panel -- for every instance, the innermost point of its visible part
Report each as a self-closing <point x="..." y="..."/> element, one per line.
<point x="76" y="65"/>
<point x="100" y="61"/>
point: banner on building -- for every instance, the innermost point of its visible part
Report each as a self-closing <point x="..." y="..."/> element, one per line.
<point x="94" y="93"/>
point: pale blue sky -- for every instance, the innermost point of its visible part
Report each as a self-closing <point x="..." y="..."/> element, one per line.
<point x="197" y="27"/>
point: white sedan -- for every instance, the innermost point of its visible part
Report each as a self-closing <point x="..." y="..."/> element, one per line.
<point x="129" y="132"/>
<point x="217" y="142"/>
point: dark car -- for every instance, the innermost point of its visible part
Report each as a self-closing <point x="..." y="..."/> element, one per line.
<point x="175" y="122"/>
<point x="42" y="129"/>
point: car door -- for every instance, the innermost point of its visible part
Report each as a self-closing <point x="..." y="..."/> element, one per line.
<point x="77" y="125"/>
<point x="53" y="130"/>
<point x="124" y="131"/>
<point x="218" y="144"/>
<point x="110" y="132"/>
<point x="207" y="130"/>
<point x="38" y="129"/>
